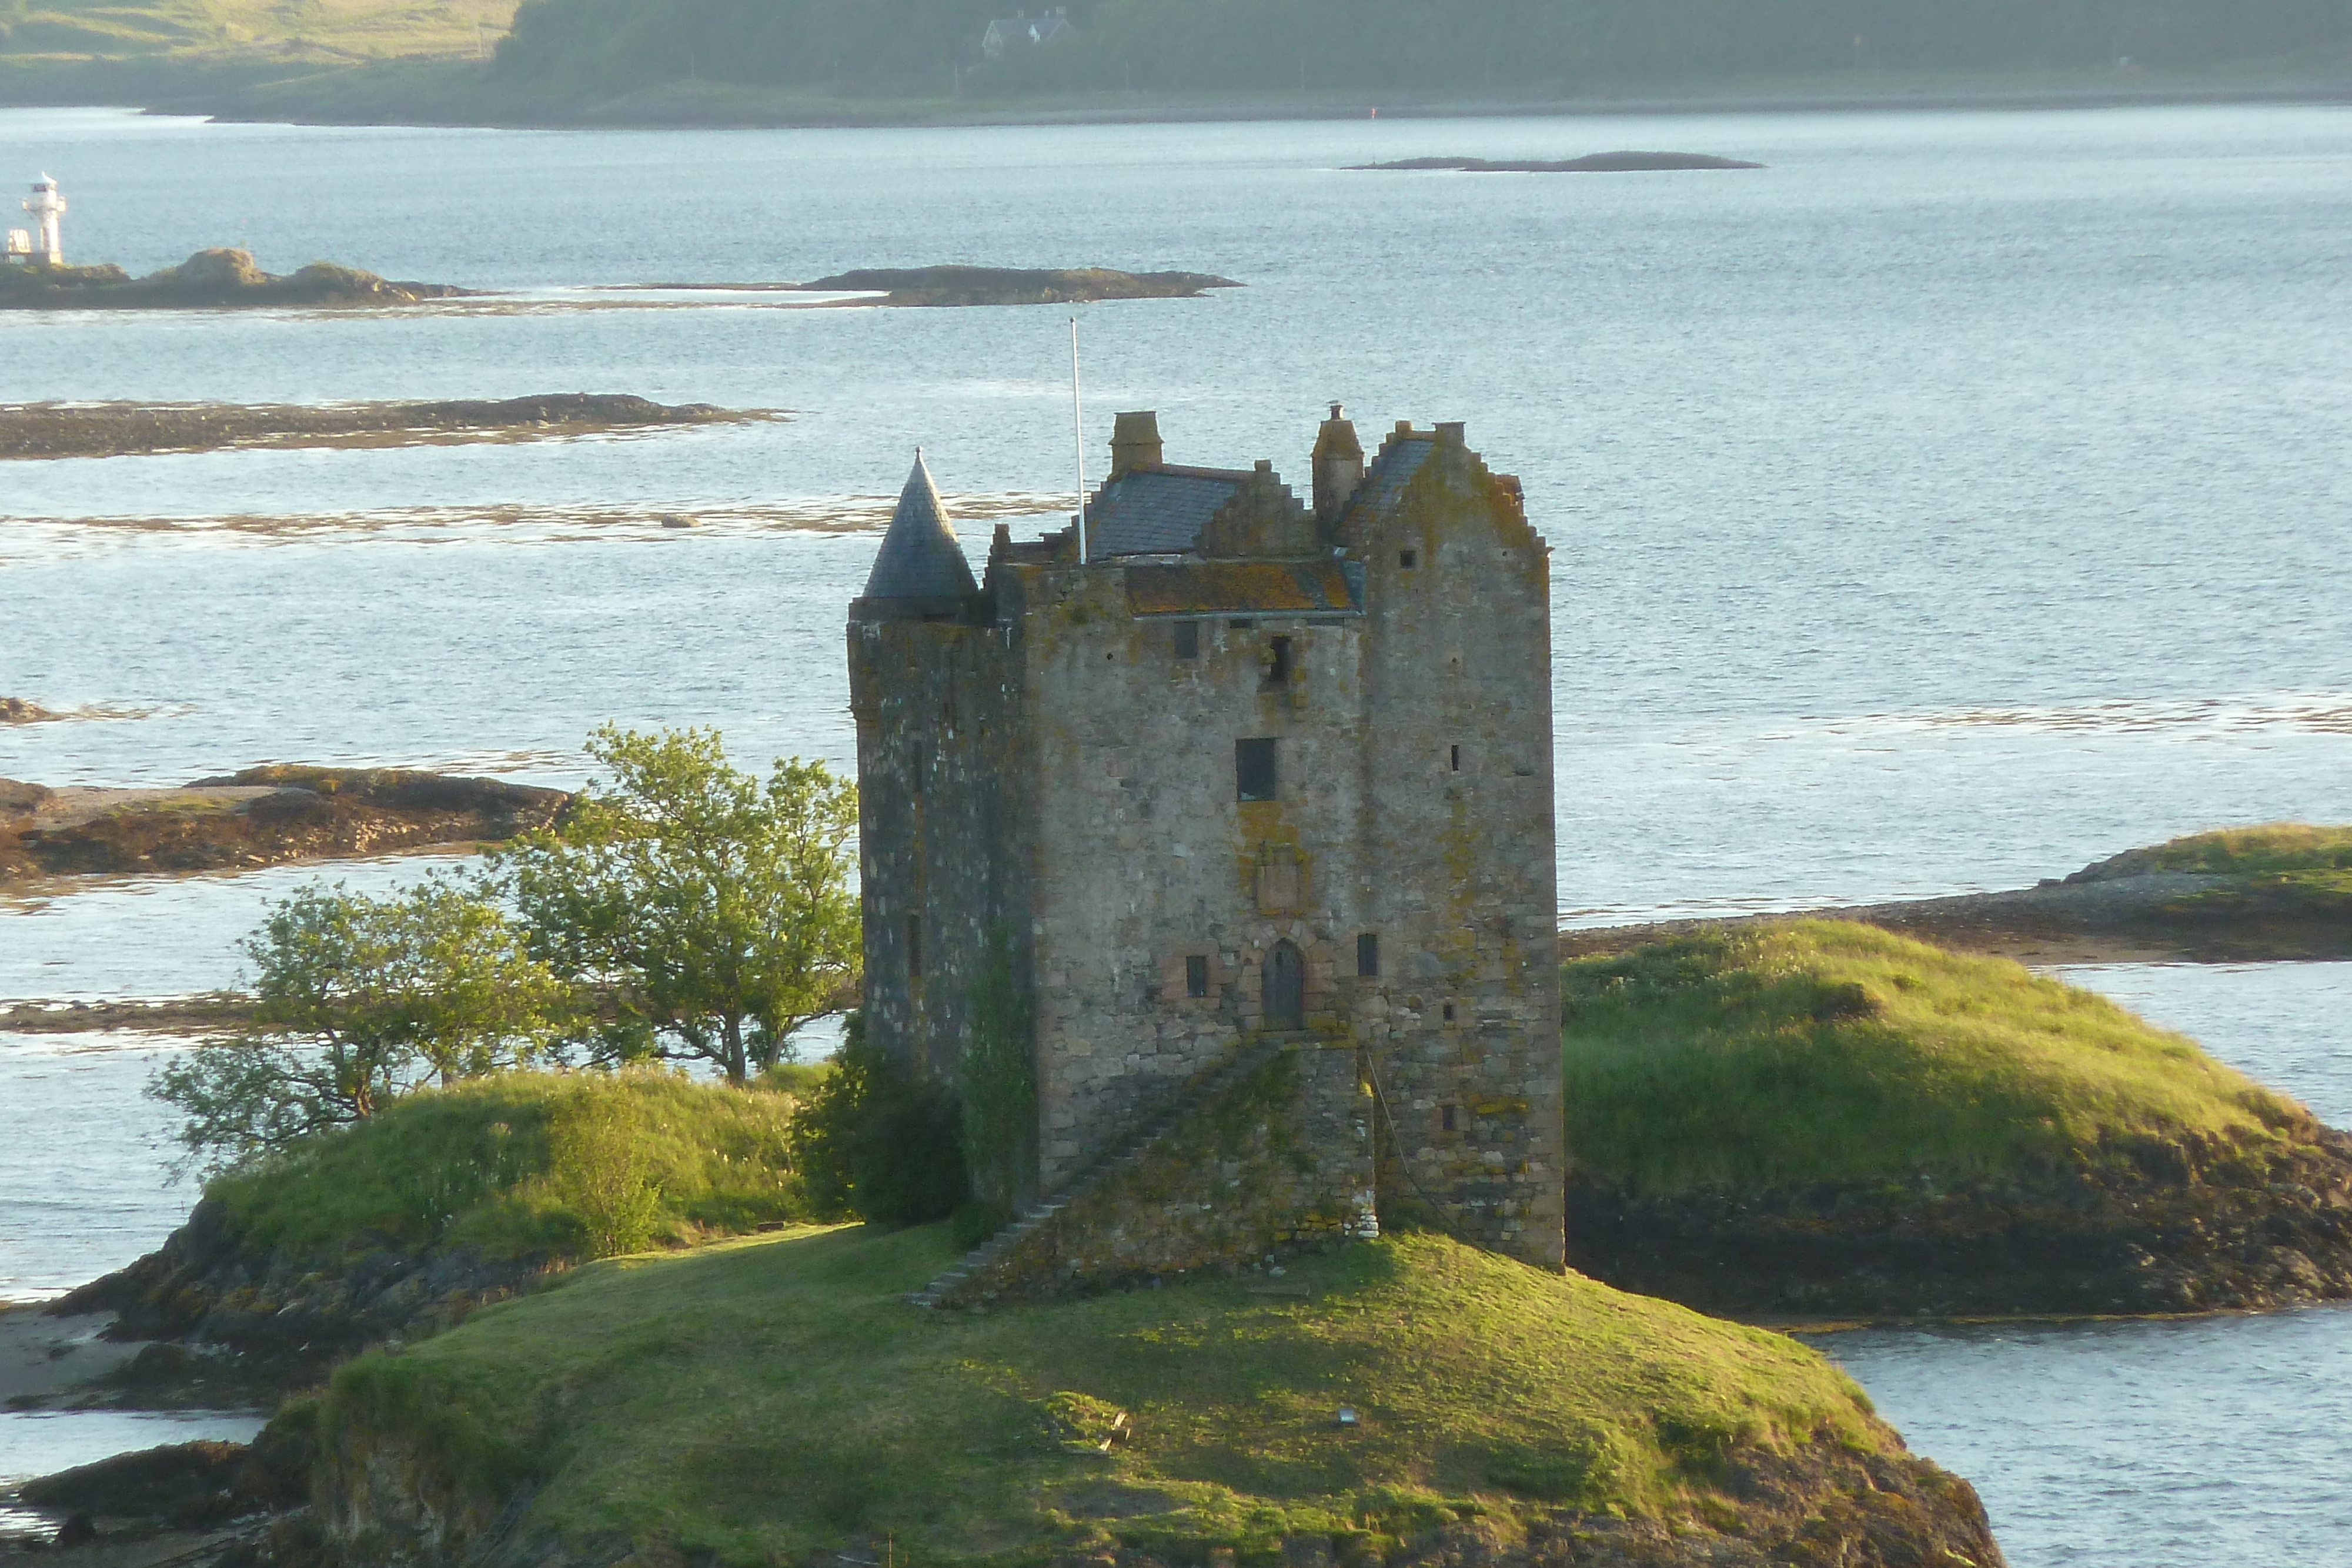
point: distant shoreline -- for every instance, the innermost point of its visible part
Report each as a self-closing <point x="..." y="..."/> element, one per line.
<point x="461" y="94"/>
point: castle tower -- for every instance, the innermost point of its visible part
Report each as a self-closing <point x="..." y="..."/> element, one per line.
<point x="47" y="206"/>
<point x="1255" y="783"/>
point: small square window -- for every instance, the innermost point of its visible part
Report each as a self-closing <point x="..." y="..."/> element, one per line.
<point x="1254" y="775"/>
<point x="1449" y="1012"/>
<point x="1278" y="663"/>
<point x="1408" y="559"/>
<point x="1368" y="955"/>
<point x="1196" y="975"/>
<point x="1188" y="639"/>
<point x="1239" y="625"/>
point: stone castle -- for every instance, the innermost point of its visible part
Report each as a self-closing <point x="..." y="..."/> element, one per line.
<point x="1213" y="864"/>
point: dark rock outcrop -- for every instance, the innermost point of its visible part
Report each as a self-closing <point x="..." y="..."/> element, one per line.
<point x="229" y="1317"/>
<point x="924" y="286"/>
<point x="2154" y="1234"/>
<point x="1594" y="163"/>
<point x="186" y="1486"/>
<point x="211" y="278"/>
<point x="264" y="816"/>
<point x="40" y="430"/>
<point x="17" y="710"/>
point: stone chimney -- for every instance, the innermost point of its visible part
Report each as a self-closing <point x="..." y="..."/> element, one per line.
<point x="1134" y="441"/>
<point x="1338" y="464"/>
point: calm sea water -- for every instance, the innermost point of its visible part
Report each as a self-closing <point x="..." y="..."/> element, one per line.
<point x="1957" y="500"/>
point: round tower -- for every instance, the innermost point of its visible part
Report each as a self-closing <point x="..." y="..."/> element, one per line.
<point x="47" y="206"/>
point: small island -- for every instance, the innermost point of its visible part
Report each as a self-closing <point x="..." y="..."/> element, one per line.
<point x="2278" y="890"/>
<point x="217" y="279"/>
<point x="258" y="817"/>
<point x="1822" y="1120"/>
<point x="771" y="1396"/>
<point x="961" y="284"/>
<point x="1593" y="164"/>
<point x="41" y="430"/>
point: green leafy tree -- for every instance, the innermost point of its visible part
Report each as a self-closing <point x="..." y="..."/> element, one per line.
<point x="713" y="912"/>
<point x="358" y="1001"/>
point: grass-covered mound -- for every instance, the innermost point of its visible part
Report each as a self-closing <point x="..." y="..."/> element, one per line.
<point x="774" y="1401"/>
<point x="1819" y="1116"/>
<point x="2273" y="848"/>
<point x="2289" y="887"/>
<point x="454" y="1195"/>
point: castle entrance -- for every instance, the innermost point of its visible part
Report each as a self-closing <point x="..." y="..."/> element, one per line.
<point x="1285" y="987"/>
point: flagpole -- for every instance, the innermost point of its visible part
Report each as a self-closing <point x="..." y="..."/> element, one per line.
<point x="1078" y="438"/>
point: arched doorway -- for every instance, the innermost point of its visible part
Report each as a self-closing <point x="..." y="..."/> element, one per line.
<point x="1285" y="987"/>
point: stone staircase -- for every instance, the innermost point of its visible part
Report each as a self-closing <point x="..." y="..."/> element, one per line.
<point x="1122" y="1155"/>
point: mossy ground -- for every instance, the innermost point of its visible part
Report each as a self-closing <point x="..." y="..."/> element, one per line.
<point x="530" y="1163"/>
<point x="773" y="1400"/>
<point x="1823" y="1051"/>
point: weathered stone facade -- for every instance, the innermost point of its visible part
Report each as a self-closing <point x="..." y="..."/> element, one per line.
<point x="1254" y="773"/>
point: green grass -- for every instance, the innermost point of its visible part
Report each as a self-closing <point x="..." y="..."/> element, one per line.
<point x="2273" y="847"/>
<point x="768" y="1400"/>
<point x="1823" y="1051"/>
<point x="571" y="1165"/>
<point x="2286" y="866"/>
<point x="325" y="30"/>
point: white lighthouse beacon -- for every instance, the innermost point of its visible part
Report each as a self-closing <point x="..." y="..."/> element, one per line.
<point x="46" y="207"/>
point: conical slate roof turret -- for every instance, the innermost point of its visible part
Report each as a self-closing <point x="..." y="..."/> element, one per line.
<point x="919" y="558"/>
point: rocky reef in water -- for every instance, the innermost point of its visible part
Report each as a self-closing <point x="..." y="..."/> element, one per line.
<point x="2280" y="892"/>
<point x="261" y="816"/>
<point x="931" y="286"/>
<point x="1593" y="164"/>
<point x="39" y="430"/>
<point x="210" y="280"/>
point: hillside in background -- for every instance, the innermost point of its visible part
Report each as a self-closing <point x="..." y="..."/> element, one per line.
<point x="74" y="30"/>
<point x="1543" y="47"/>
<point x="846" y="61"/>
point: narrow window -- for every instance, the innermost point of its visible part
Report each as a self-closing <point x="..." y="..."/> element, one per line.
<point x="1188" y="639"/>
<point x="1239" y="625"/>
<point x="1254" y="769"/>
<point x="1368" y="955"/>
<point x="915" y="768"/>
<point x="1196" y="975"/>
<point x="1408" y="559"/>
<point x="1445" y="1120"/>
<point x="1285" y="987"/>
<point x="1456" y="764"/>
<point x="1277" y="668"/>
<point x="1449" y="1012"/>
<point x="915" y="948"/>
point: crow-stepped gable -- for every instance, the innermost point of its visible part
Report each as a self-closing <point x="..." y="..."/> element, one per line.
<point x="1216" y="871"/>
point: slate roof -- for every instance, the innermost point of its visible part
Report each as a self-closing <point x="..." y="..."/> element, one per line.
<point x="1399" y="461"/>
<point x="1225" y="587"/>
<point x="1156" y="511"/>
<point x="919" y="557"/>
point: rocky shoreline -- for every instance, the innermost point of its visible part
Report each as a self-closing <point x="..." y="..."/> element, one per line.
<point x="1593" y="164"/>
<point x="261" y="816"/>
<point x="42" y="430"/>
<point x="216" y="1320"/>
<point x="217" y="279"/>
<point x="2095" y="916"/>
<point x="2143" y="1233"/>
